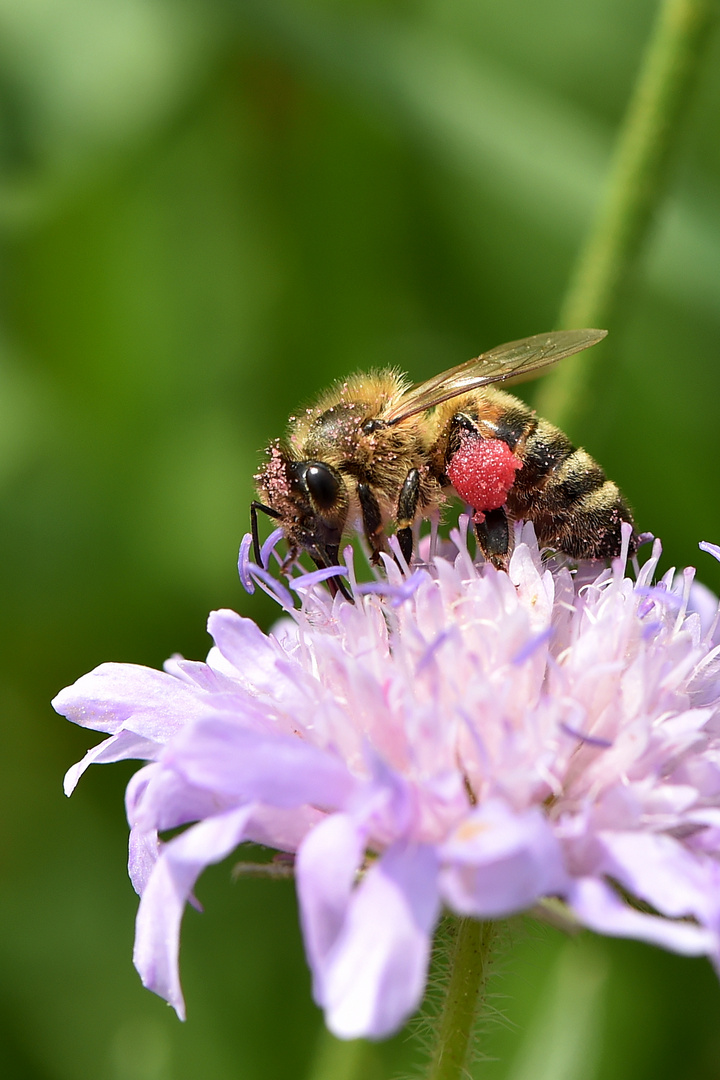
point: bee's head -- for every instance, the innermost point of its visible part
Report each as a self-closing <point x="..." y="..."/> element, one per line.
<point x="310" y="500"/>
<point x="321" y="505"/>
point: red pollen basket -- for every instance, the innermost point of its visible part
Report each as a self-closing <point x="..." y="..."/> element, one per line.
<point x="482" y="472"/>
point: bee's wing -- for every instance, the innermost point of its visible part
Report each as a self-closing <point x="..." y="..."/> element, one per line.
<point x="506" y="362"/>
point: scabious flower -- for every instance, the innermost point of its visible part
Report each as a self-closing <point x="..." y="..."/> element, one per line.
<point x="457" y="737"/>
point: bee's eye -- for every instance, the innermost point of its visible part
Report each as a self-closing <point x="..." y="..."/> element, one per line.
<point x="323" y="484"/>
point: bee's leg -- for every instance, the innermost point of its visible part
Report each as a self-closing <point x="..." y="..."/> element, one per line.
<point x="406" y="511"/>
<point x="254" y="507"/>
<point x="481" y="465"/>
<point x="494" y="537"/>
<point x="372" y="520"/>
<point x="335" y="584"/>
<point x="460" y="425"/>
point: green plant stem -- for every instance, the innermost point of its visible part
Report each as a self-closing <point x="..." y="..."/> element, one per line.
<point x="465" y="994"/>
<point x="635" y="185"/>
<point x="338" y="1059"/>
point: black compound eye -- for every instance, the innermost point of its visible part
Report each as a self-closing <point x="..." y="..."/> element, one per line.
<point x="323" y="484"/>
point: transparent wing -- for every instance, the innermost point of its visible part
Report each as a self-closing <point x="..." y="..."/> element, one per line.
<point x="506" y="362"/>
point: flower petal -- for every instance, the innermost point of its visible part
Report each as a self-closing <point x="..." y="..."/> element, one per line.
<point x="128" y="696"/>
<point x="379" y="965"/>
<point x="143" y="852"/>
<point x="157" y="929"/>
<point x="218" y="754"/>
<point x="498" y="862"/>
<point x="163" y="799"/>
<point x="283" y="829"/>
<point x="253" y="657"/>
<point x="368" y="946"/>
<point x="658" y="869"/>
<point x="120" y="747"/>
<point x="325" y="870"/>
<point x="600" y="909"/>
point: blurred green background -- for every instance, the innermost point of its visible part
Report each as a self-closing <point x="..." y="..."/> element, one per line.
<point x="209" y="209"/>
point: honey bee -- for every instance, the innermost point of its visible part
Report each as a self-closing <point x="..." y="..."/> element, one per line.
<point x="375" y="451"/>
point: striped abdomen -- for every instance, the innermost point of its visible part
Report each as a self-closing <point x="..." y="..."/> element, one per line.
<point x="567" y="496"/>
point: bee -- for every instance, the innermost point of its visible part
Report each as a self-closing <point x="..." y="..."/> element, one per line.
<point x="376" y="452"/>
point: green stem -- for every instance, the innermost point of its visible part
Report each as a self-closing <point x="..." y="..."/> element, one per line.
<point x="337" y="1059"/>
<point x="635" y="185"/>
<point x="470" y="963"/>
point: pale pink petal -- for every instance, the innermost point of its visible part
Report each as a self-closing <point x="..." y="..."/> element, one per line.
<point x="327" y="863"/>
<point x="378" y="972"/>
<point x="221" y="756"/>
<point x="368" y="946"/>
<point x="127" y="696"/>
<point x="121" y="747"/>
<point x="157" y="930"/>
<point x="498" y="862"/>
<point x="283" y="829"/>
<point x="143" y="852"/>
<point x="660" y="870"/>
<point x="600" y="909"/>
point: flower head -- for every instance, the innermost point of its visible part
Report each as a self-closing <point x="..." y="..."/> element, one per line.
<point x="458" y="736"/>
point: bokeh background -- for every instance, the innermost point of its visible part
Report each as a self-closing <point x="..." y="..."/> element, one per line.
<point x="208" y="210"/>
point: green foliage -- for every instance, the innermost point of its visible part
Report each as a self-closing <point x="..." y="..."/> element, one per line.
<point x="210" y="209"/>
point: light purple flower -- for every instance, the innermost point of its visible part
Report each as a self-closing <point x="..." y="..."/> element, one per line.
<point x="458" y="737"/>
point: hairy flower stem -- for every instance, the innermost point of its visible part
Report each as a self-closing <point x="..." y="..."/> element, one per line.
<point x="634" y="188"/>
<point x="469" y="966"/>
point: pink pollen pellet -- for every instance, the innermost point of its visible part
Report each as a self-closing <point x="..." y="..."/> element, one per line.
<point x="482" y="472"/>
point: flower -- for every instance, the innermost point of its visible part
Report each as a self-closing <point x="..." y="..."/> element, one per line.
<point x="458" y="736"/>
